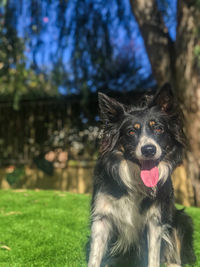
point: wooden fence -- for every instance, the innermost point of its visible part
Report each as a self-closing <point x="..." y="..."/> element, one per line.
<point x="77" y="178"/>
<point x="42" y="125"/>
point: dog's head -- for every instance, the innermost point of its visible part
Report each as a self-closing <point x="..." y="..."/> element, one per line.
<point x="147" y="134"/>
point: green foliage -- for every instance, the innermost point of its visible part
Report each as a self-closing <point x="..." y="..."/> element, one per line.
<point x="51" y="228"/>
<point x="197" y="54"/>
<point x="3" y="3"/>
<point x="16" y="78"/>
<point x="197" y="4"/>
<point x="14" y="177"/>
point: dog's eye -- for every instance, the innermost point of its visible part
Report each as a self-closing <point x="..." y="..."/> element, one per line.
<point x="158" y="129"/>
<point x="131" y="132"/>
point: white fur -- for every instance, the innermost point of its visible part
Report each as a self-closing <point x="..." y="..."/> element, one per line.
<point x="154" y="234"/>
<point x="100" y="233"/>
<point x="123" y="213"/>
<point x="145" y="140"/>
<point x="165" y="170"/>
<point x="128" y="171"/>
<point x="173" y="265"/>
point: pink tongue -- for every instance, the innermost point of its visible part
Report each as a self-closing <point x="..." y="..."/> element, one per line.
<point x="149" y="174"/>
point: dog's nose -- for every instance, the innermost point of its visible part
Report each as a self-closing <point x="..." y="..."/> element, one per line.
<point x="148" y="151"/>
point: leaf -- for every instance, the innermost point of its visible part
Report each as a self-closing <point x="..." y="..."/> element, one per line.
<point x="12" y="213"/>
<point x="19" y="190"/>
<point x="5" y="247"/>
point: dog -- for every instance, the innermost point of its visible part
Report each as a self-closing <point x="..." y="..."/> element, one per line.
<point x="134" y="221"/>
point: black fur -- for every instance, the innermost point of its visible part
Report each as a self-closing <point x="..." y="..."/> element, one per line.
<point x="123" y="207"/>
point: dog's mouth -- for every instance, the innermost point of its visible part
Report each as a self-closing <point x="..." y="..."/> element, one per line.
<point x="149" y="173"/>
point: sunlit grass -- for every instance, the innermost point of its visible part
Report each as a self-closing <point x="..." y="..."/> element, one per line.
<point x="44" y="228"/>
<point x="195" y="214"/>
<point x="50" y="228"/>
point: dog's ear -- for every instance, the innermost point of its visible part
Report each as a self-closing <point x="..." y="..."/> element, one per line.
<point x="110" y="109"/>
<point x="164" y="98"/>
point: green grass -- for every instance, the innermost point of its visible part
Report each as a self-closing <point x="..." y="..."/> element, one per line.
<point x="44" y="228"/>
<point x="195" y="214"/>
<point x="50" y="228"/>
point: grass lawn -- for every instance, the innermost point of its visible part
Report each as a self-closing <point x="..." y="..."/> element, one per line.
<point x="50" y="228"/>
<point x="44" y="228"/>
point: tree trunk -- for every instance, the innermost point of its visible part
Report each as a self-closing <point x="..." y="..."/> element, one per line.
<point x="175" y="63"/>
<point x="188" y="86"/>
<point x="157" y="41"/>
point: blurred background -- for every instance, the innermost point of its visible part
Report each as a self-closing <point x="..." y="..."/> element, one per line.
<point x="54" y="58"/>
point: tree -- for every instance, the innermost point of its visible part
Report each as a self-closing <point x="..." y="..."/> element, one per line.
<point x="177" y="62"/>
<point x="16" y="78"/>
<point x="92" y="46"/>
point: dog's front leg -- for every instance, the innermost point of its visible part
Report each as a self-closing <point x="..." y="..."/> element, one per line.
<point x="154" y="241"/>
<point x="99" y="237"/>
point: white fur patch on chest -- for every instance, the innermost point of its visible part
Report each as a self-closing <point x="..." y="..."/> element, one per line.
<point x="124" y="216"/>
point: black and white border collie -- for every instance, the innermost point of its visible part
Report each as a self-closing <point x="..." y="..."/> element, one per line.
<point x="134" y="221"/>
